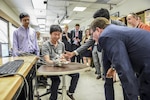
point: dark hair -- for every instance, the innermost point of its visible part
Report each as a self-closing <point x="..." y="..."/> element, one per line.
<point x="102" y="13"/>
<point x="77" y="25"/>
<point x="55" y="28"/>
<point x="24" y="14"/>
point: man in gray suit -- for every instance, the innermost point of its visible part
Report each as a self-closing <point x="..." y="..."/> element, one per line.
<point x="109" y="89"/>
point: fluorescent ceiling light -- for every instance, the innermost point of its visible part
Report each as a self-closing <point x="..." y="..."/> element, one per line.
<point x="42" y="29"/>
<point x="41" y="21"/>
<point x="42" y="26"/>
<point x="66" y="21"/>
<point x="39" y="4"/>
<point x="79" y="8"/>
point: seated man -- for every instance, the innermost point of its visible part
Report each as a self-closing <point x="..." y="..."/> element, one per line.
<point x="51" y="51"/>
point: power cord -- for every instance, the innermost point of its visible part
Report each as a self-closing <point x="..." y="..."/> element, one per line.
<point x="25" y="81"/>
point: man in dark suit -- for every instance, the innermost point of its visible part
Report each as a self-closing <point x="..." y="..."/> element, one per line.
<point x="128" y="50"/>
<point x="76" y="38"/>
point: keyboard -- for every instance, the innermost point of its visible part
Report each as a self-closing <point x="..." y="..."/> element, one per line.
<point x="11" y="67"/>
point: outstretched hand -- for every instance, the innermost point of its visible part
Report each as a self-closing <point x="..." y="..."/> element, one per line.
<point x="68" y="54"/>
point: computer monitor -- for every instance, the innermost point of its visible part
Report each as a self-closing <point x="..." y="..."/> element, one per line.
<point x="4" y="50"/>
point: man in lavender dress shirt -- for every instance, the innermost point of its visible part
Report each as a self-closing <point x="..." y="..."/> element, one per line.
<point x="25" y="43"/>
<point x="24" y="38"/>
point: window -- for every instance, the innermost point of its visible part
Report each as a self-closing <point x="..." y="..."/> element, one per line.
<point x="13" y="28"/>
<point x="3" y="31"/>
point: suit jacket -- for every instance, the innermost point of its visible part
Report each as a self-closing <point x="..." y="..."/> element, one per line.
<point x="128" y="51"/>
<point x="91" y="42"/>
<point x="72" y="35"/>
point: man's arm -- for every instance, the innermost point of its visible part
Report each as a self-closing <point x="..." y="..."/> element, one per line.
<point x="81" y="49"/>
<point x="85" y="46"/>
<point x="45" y="53"/>
<point x="15" y="44"/>
<point x="36" y="46"/>
<point x="47" y="59"/>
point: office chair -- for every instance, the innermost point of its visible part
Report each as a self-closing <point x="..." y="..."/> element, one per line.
<point x="48" y="91"/>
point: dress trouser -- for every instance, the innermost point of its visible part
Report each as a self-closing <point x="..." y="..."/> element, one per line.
<point x="144" y="83"/>
<point x="108" y="85"/>
<point x="97" y="60"/>
<point x="56" y="81"/>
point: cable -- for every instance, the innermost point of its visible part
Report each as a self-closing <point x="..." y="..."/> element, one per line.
<point x="27" y="86"/>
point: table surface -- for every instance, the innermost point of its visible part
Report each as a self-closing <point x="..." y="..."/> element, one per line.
<point x="9" y="85"/>
<point x="64" y="69"/>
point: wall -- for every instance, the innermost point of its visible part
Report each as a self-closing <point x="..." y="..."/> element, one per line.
<point x="131" y="6"/>
<point x="6" y="11"/>
<point x="124" y="8"/>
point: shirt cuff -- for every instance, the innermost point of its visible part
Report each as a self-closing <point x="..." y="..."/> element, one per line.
<point x="76" y="53"/>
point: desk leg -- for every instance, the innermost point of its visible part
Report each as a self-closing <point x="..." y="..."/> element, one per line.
<point x="63" y="88"/>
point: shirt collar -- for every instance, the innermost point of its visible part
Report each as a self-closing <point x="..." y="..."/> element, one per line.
<point x="24" y="27"/>
<point x="52" y="43"/>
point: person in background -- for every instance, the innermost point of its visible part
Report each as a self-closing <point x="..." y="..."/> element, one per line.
<point x="87" y="55"/>
<point x="52" y="51"/>
<point x="139" y="18"/>
<point x="76" y="38"/>
<point x="24" y="38"/>
<point x="25" y="42"/>
<point x="128" y="51"/>
<point x="109" y="88"/>
<point x="42" y="80"/>
<point x="39" y="39"/>
<point x="66" y="38"/>
<point x="132" y="20"/>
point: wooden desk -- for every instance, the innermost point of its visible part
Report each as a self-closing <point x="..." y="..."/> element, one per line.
<point x="70" y="68"/>
<point x="9" y="85"/>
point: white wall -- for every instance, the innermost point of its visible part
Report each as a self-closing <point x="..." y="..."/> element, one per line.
<point x="124" y="8"/>
<point x="131" y="6"/>
<point x="6" y="9"/>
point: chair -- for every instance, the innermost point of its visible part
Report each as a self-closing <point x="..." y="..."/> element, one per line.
<point x="37" y="84"/>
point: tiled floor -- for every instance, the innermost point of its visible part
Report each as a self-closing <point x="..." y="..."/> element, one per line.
<point x="89" y="88"/>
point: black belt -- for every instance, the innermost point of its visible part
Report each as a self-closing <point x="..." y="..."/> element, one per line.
<point x="33" y="52"/>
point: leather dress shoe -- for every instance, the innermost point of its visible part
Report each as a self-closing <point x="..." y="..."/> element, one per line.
<point x="98" y="77"/>
<point x="70" y="96"/>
